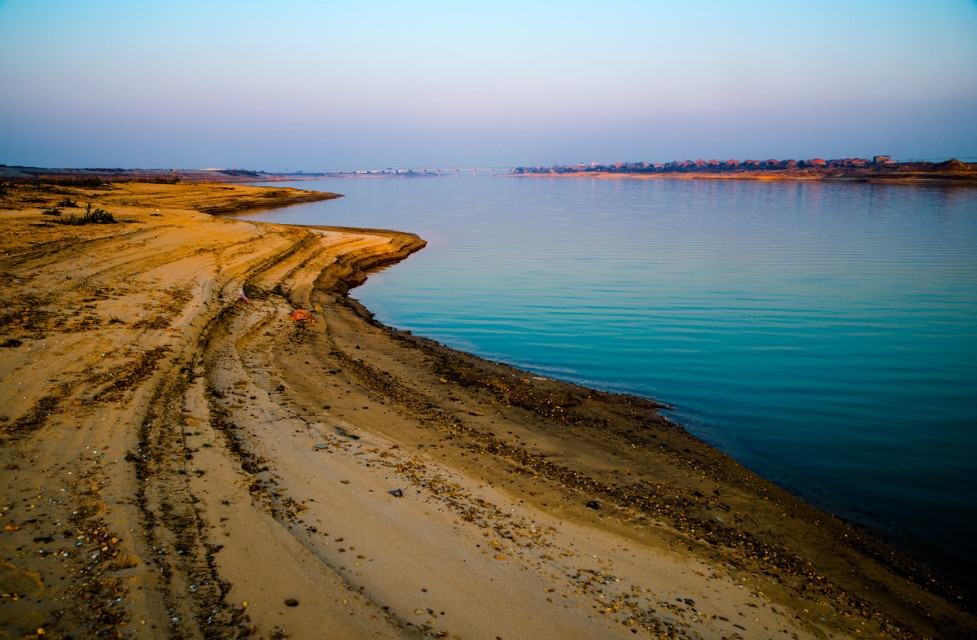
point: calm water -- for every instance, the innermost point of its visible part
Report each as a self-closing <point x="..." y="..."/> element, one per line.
<point x="825" y="335"/>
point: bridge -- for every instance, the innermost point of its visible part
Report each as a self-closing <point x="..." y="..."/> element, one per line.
<point x="459" y="170"/>
<point x="439" y="171"/>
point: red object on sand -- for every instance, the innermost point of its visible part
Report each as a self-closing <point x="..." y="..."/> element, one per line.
<point x="302" y="315"/>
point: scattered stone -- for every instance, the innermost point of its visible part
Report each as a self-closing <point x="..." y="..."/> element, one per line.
<point x="397" y="493"/>
<point x="291" y="602"/>
<point x="280" y="388"/>
<point x="346" y="434"/>
<point x="320" y="445"/>
<point x="11" y="343"/>
<point x="593" y="504"/>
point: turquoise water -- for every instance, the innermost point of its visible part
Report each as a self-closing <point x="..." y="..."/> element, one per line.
<point x="825" y="335"/>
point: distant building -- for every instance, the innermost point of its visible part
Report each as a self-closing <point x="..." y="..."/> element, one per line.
<point x="882" y="160"/>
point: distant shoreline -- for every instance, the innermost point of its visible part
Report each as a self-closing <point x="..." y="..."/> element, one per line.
<point x="163" y="176"/>
<point x="945" y="173"/>
<point x="951" y="172"/>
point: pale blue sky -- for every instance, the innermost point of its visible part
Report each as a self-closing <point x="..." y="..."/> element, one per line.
<point x="313" y="85"/>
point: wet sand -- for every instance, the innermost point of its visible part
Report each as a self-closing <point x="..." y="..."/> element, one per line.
<point x="181" y="457"/>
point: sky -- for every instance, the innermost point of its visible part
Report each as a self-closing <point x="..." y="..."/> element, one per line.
<point x="315" y="85"/>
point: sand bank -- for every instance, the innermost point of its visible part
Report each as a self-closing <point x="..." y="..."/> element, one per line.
<point x="182" y="458"/>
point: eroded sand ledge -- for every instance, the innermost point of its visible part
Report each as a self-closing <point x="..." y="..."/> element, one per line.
<point x="179" y="460"/>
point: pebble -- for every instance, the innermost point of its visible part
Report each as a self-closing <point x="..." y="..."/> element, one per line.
<point x="291" y="602"/>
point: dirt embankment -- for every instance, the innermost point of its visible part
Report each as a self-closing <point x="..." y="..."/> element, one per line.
<point x="184" y="456"/>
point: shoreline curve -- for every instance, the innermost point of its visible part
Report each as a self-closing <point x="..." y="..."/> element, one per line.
<point x="182" y="457"/>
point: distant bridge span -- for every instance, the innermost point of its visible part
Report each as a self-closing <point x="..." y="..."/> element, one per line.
<point x="457" y="170"/>
<point x="425" y="171"/>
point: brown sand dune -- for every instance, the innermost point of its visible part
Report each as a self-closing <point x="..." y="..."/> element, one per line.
<point x="182" y="458"/>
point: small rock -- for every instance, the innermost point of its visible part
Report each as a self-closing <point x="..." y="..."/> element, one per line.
<point x="321" y="446"/>
<point x="397" y="493"/>
<point x="280" y="388"/>
<point x="593" y="504"/>
<point x="291" y="602"/>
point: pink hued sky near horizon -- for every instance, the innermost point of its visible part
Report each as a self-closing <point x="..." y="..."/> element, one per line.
<point x="304" y="85"/>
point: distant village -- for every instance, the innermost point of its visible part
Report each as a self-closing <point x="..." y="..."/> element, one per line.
<point x="712" y="165"/>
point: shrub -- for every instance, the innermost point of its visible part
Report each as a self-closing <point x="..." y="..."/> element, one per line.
<point x="68" y="203"/>
<point x="53" y="211"/>
<point x="85" y="183"/>
<point x="98" y="216"/>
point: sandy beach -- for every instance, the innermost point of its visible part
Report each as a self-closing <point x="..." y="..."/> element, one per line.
<point x="203" y="436"/>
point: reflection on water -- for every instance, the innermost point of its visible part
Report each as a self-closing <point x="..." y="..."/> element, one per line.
<point x="823" y="334"/>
